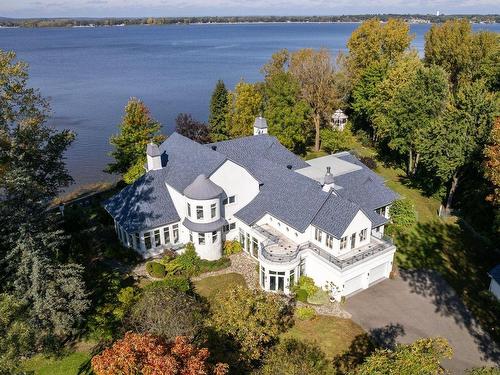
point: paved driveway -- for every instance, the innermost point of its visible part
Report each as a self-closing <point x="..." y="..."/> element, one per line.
<point x="421" y="304"/>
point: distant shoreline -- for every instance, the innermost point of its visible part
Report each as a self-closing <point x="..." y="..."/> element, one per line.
<point x="124" y="21"/>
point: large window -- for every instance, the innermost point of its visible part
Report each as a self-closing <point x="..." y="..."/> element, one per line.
<point x="137" y="241"/>
<point x="229" y="200"/>
<point x="157" y="238"/>
<point x="255" y="247"/>
<point x="189" y="210"/>
<point x="362" y="235"/>
<point x="343" y="243"/>
<point x="199" y="212"/>
<point x="201" y="238"/>
<point x="242" y="238"/>
<point x="175" y="230"/>
<point x="381" y="211"/>
<point x="353" y="240"/>
<point x="317" y="234"/>
<point x="276" y="281"/>
<point x="147" y="240"/>
<point x="166" y="235"/>
<point x="291" y="278"/>
<point x="213" y="210"/>
<point x="329" y="241"/>
<point x="214" y="237"/>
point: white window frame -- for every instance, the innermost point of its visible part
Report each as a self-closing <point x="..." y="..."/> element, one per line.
<point x="343" y="243"/>
<point x="199" y="212"/>
<point x="362" y="235"/>
<point x="214" y="236"/>
<point x="201" y="239"/>
<point x="213" y="210"/>
<point x="318" y="235"/>
<point x="329" y="241"/>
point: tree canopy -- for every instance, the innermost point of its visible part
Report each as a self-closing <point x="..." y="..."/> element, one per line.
<point x="218" y="112"/>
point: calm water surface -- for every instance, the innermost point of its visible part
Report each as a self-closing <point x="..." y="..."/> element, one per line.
<point x="90" y="73"/>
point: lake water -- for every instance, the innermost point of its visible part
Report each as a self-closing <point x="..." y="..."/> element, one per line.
<point x="90" y="73"/>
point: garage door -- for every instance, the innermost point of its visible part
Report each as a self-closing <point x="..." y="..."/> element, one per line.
<point x="352" y="285"/>
<point x="378" y="273"/>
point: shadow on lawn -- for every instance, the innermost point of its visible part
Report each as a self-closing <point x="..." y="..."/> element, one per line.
<point x="364" y="345"/>
<point x="437" y="249"/>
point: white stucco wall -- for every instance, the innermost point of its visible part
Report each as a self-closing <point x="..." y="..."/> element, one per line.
<point x="235" y="180"/>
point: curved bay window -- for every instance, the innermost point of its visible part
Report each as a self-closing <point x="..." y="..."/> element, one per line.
<point x="277" y="281"/>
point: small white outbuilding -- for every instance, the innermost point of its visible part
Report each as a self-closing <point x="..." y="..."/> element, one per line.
<point x="339" y="119"/>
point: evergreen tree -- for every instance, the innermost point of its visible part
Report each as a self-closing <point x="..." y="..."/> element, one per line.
<point x="137" y="129"/>
<point x="287" y="116"/>
<point x="218" y="113"/>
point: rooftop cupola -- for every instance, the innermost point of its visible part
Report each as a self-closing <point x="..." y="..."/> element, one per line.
<point x="328" y="182"/>
<point x="260" y="126"/>
<point x="153" y="156"/>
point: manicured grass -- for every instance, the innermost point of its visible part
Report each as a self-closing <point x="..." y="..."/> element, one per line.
<point x="68" y="365"/>
<point x="333" y="335"/>
<point x="209" y="286"/>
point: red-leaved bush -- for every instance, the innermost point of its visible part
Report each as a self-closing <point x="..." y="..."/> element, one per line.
<point x="149" y="355"/>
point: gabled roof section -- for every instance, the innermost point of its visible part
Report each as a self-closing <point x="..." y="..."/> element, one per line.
<point x="143" y="205"/>
<point x="186" y="160"/>
<point x="261" y="147"/>
<point x="202" y="189"/>
<point x="335" y="215"/>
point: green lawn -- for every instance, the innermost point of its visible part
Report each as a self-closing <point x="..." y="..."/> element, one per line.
<point x="333" y="335"/>
<point x="68" y="365"/>
<point x="209" y="286"/>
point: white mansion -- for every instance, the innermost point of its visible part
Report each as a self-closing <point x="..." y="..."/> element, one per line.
<point x="323" y="218"/>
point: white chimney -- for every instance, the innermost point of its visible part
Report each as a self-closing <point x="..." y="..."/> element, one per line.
<point x="328" y="180"/>
<point x="153" y="156"/>
<point x="260" y="126"/>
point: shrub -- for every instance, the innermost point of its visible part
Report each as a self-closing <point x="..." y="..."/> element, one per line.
<point x="301" y="295"/>
<point x="293" y="357"/>
<point x="252" y="318"/>
<point x="147" y="354"/>
<point x="179" y="283"/>
<point x="156" y="269"/>
<point x="232" y="247"/>
<point x="307" y="284"/>
<point x="333" y="140"/>
<point x="403" y="216"/>
<point x="321" y="297"/>
<point x="369" y="162"/>
<point x="166" y="312"/>
<point x="305" y="313"/>
<point x="188" y="262"/>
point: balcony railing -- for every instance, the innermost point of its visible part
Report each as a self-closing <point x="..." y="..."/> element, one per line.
<point x="379" y="248"/>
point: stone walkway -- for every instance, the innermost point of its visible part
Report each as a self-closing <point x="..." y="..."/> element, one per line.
<point x="330" y="309"/>
<point x="240" y="263"/>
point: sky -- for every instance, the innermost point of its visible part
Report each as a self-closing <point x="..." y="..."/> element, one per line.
<point x="174" y="8"/>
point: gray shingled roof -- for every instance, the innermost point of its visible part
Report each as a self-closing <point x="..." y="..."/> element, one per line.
<point x="335" y="215"/>
<point x="364" y="186"/>
<point x="261" y="147"/>
<point x="203" y="188"/>
<point x="204" y="227"/>
<point x="143" y="205"/>
<point x="260" y="123"/>
<point x="495" y="273"/>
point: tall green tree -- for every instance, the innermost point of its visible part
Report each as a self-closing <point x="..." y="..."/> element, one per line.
<point x="374" y="42"/>
<point x="461" y="52"/>
<point x="287" y="116"/>
<point x="137" y="129"/>
<point x="316" y="76"/>
<point x="33" y="172"/>
<point x="460" y="135"/>
<point x="424" y="356"/>
<point x="410" y="111"/>
<point x="218" y="113"/>
<point x="245" y="104"/>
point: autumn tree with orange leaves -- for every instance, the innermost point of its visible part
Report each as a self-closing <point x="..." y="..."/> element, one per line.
<point x="149" y="355"/>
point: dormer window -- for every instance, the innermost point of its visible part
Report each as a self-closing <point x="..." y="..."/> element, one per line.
<point x="199" y="212"/>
